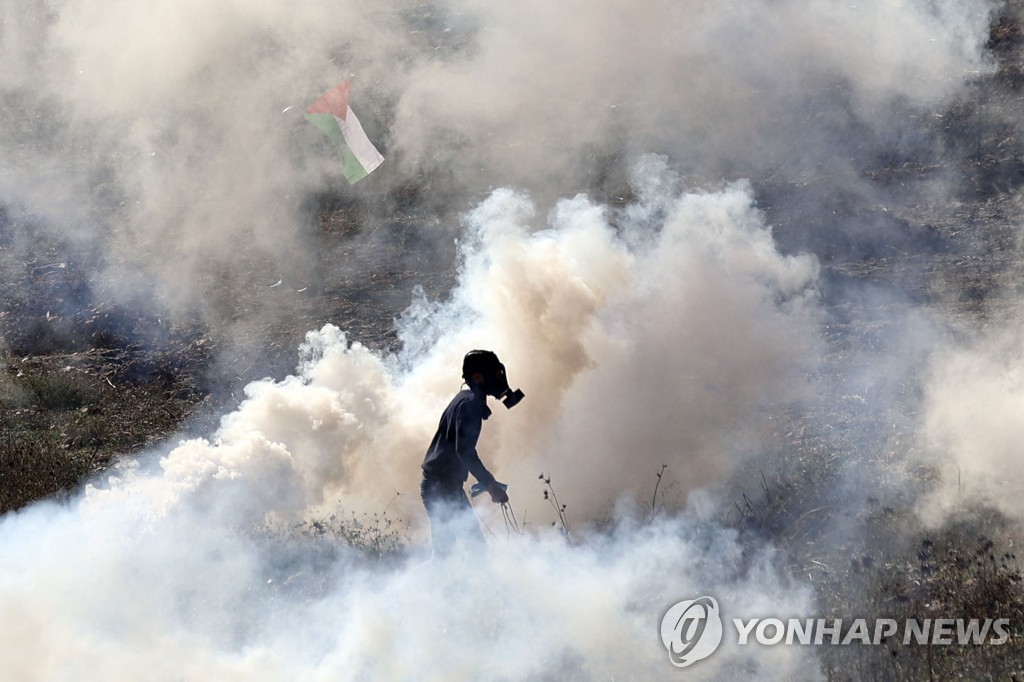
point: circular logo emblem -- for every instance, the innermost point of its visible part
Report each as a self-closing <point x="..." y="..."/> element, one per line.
<point x="691" y="631"/>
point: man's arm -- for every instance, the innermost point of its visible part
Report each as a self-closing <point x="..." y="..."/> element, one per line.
<point x="468" y="424"/>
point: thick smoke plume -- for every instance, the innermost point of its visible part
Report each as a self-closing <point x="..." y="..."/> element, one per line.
<point x="654" y="321"/>
<point x="120" y="591"/>
<point x="163" y="556"/>
<point x="636" y="343"/>
<point x="972" y="428"/>
<point x="633" y="356"/>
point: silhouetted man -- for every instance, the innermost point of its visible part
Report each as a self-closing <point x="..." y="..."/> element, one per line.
<point x="452" y="454"/>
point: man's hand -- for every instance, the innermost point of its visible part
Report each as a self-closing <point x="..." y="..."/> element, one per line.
<point x="498" y="494"/>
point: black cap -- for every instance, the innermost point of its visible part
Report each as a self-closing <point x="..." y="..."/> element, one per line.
<point x="483" y="361"/>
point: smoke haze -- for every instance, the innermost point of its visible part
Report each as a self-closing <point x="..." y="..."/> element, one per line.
<point x="155" y="133"/>
<point x="170" y="537"/>
<point x="973" y="396"/>
<point x="604" y="170"/>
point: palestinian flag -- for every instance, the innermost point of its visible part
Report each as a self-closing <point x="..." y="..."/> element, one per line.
<point x="332" y="114"/>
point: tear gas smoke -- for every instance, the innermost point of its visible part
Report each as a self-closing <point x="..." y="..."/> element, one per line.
<point x="974" y="396"/>
<point x="801" y="85"/>
<point x="166" y="577"/>
<point x="154" y="133"/>
<point x="577" y="315"/>
<point x="121" y="592"/>
<point x="659" y="328"/>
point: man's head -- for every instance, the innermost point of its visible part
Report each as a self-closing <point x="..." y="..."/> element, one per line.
<point x="482" y="367"/>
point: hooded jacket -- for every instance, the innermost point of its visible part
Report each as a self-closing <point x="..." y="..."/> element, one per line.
<point x="452" y="454"/>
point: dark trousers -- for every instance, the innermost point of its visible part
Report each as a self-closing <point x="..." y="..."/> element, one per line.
<point x="453" y="523"/>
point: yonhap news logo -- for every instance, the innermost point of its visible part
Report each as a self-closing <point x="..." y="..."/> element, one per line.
<point x="693" y="629"/>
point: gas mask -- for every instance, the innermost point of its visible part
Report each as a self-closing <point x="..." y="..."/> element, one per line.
<point x="495" y="380"/>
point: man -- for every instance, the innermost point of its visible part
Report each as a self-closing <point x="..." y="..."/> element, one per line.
<point x="452" y="454"/>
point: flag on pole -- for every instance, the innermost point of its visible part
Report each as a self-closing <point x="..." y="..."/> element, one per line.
<point x="332" y="114"/>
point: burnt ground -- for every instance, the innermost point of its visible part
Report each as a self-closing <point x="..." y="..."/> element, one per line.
<point x="85" y="382"/>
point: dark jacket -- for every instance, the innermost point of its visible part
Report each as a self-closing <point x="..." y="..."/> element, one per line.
<point x="452" y="454"/>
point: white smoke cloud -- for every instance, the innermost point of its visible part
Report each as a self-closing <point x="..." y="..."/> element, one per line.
<point x="971" y="426"/>
<point x="720" y="86"/>
<point x="161" y="134"/>
<point x="657" y="333"/>
<point x="632" y="356"/>
<point x="154" y="131"/>
<point x="159" y="561"/>
<point x="99" y="591"/>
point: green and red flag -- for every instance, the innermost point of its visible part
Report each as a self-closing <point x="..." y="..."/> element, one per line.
<point x="332" y="114"/>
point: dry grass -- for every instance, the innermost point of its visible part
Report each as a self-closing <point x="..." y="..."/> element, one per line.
<point x="63" y="418"/>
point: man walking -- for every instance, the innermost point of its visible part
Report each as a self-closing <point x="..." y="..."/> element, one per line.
<point x="452" y="455"/>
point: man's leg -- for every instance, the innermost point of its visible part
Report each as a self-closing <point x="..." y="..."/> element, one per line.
<point x="433" y="496"/>
<point x="466" y="524"/>
<point x="452" y="519"/>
